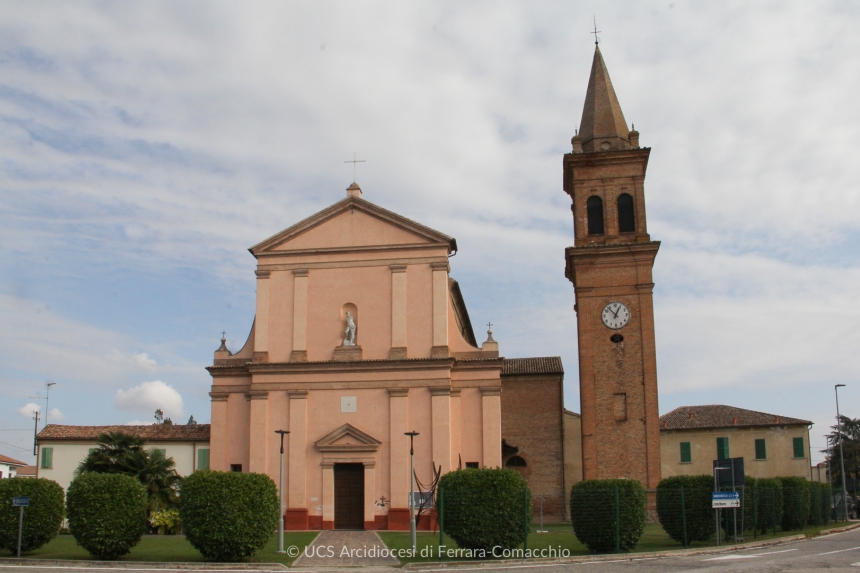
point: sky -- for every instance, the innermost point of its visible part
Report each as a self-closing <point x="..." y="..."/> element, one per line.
<point x="145" y="146"/>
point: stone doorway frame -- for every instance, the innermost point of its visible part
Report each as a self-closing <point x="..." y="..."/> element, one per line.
<point x="361" y="451"/>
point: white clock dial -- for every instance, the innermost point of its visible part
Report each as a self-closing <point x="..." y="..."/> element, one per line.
<point x="615" y="315"/>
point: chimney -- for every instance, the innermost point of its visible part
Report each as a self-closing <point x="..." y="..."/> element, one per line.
<point x="735" y="421"/>
<point x="691" y="415"/>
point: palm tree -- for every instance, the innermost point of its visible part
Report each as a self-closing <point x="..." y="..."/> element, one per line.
<point x="124" y="454"/>
<point x="110" y="456"/>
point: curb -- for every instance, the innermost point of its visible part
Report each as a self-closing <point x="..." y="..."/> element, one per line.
<point x="622" y="557"/>
<point x="142" y="565"/>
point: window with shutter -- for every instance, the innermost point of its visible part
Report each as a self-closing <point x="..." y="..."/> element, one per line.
<point x="202" y="459"/>
<point x="686" y="453"/>
<point x="760" y="450"/>
<point x="799" y="450"/>
<point x="722" y="448"/>
<point x="47" y="458"/>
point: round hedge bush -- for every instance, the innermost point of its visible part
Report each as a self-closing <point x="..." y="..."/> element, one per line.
<point x="795" y="502"/>
<point x="107" y="513"/>
<point x="485" y="508"/>
<point x="592" y="511"/>
<point x="41" y="519"/>
<point x="228" y="516"/>
<point x="698" y="512"/>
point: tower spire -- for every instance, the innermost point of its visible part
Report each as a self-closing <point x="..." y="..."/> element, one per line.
<point x="602" y="127"/>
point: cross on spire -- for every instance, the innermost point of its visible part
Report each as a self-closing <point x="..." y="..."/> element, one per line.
<point x="595" y="32"/>
<point x="223" y="334"/>
<point x="489" y="326"/>
<point x="354" y="161"/>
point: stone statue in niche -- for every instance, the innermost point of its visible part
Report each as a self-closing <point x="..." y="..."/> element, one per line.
<point x="349" y="333"/>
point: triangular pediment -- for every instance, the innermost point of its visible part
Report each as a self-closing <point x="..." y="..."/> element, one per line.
<point x="352" y="224"/>
<point x="347" y="438"/>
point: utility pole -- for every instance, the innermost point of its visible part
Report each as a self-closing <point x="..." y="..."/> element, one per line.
<point x="35" y="432"/>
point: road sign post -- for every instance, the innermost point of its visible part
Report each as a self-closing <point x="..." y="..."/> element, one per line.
<point x="21" y="502"/>
<point x="727" y="499"/>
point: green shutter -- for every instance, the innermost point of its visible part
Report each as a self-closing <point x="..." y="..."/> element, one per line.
<point x="47" y="458"/>
<point x="760" y="449"/>
<point x="202" y="459"/>
<point x="686" y="453"/>
<point x="799" y="450"/>
<point x="722" y="448"/>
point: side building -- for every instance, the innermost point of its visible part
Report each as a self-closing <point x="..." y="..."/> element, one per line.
<point x="62" y="448"/>
<point x="692" y="437"/>
<point x="9" y="467"/>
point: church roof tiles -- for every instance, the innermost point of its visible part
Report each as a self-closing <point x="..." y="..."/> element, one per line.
<point x="541" y="365"/>
<point x="718" y="416"/>
<point x="150" y="433"/>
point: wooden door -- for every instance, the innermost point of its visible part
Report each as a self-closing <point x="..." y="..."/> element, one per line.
<point x="349" y="496"/>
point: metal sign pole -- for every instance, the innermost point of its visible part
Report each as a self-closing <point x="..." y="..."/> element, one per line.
<point x="717" y="511"/>
<point x="20" y="529"/>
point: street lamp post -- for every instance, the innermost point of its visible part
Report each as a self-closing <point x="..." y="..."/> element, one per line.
<point x="841" y="456"/>
<point x="412" y="534"/>
<point x="281" y="495"/>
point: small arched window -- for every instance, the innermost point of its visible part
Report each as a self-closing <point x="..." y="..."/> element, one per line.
<point x="626" y="218"/>
<point x="595" y="215"/>
<point x="515" y="462"/>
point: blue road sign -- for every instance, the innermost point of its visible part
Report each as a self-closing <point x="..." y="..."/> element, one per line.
<point x="726" y="495"/>
<point x="725" y="499"/>
<point x="21" y="501"/>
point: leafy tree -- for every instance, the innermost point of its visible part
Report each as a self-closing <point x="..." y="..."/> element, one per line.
<point x="192" y="421"/>
<point x="159" y="416"/>
<point x="850" y="449"/>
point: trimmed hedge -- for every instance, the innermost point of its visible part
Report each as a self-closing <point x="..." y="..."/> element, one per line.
<point x="41" y="519"/>
<point x="698" y="512"/>
<point x="485" y="508"/>
<point x="819" y="503"/>
<point x="593" y="510"/>
<point x="768" y="496"/>
<point x="795" y="496"/>
<point x="228" y="516"/>
<point x="107" y="513"/>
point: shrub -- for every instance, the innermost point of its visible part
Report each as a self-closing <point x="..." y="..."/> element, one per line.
<point x="107" y="513"/>
<point x="697" y="507"/>
<point x="228" y="516"/>
<point x="768" y="493"/>
<point x="819" y="503"/>
<point x="41" y="519"/>
<point x="165" y="521"/>
<point x="593" y="510"/>
<point x="795" y="496"/>
<point x="484" y="508"/>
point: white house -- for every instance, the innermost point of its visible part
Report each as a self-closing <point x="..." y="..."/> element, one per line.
<point x="9" y="467"/>
<point x="62" y="448"/>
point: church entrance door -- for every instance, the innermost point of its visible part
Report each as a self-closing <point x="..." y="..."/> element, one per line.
<point x="349" y="496"/>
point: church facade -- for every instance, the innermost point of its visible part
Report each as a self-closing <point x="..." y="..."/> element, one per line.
<point x="360" y="337"/>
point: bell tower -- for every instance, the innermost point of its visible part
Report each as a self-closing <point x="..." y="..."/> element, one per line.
<point x="610" y="268"/>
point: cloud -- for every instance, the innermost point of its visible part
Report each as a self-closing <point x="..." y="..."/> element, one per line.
<point x="149" y="396"/>
<point x="137" y="423"/>
<point x="136" y="360"/>
<point x="55" y="415"/>
<point x="28" y="409"/>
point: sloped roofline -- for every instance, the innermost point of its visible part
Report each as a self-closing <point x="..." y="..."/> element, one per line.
<point x="332" y="211"/>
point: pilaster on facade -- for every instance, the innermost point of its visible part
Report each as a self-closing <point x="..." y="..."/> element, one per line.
<point x="261" y="334"/>
<point x="300" y="316"/>
<point x="440" y="309"/>
<point x="259" y="435"/>
<point x="398" y="312"/>
<point x="297" y="490"/>
<point x="491" y="414"/>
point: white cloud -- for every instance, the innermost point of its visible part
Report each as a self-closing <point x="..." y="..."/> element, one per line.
<point x="137" y="423"/>
<point x="149" y="396"/>
<point x="133" y="360"/>
<point x="28" y="409"/>
<point x="55" y="415"/>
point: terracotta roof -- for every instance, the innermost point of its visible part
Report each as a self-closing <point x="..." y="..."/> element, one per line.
<point x="718" y="416"/>
<point x="10" y="461"/>
<point x="150" y="433"/>
<point x="27" y="471"/>
<point x="542" y="365"/>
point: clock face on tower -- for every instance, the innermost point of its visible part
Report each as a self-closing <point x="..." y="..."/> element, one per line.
<point x="615" y="315"/>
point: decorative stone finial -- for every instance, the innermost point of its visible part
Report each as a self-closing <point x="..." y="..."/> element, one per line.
<point x="353" y="190"/>
<point x="633" y="136"/>
<point x="223" y="348"/>
<point x="490" y="345"/>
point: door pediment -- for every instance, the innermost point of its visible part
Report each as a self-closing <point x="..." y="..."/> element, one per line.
<point x="347" y="439"/>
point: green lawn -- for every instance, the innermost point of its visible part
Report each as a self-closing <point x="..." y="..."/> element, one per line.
<point x="560" y="537"/>
<point x="166" y="548"/>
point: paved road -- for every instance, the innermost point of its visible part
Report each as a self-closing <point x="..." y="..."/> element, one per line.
<point x="832" y="553"/>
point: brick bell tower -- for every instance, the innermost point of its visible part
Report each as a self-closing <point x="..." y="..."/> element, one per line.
<point x="610" y="268"/>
